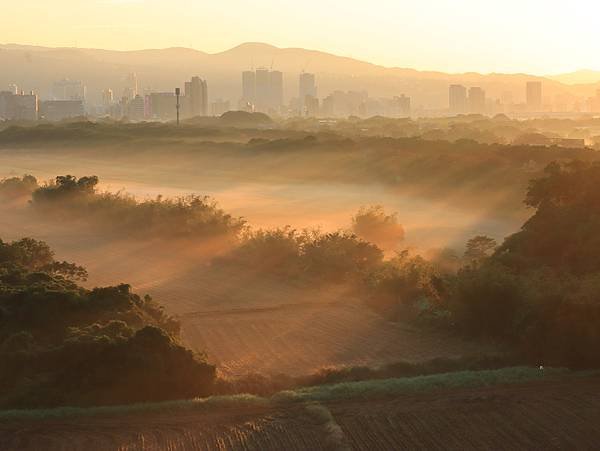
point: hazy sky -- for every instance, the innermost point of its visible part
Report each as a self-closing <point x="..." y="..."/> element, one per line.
<point x="535" y="36"/>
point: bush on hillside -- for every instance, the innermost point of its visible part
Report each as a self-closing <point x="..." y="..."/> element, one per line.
<point x="62" y="344"/>
<point x="540" y="289"/>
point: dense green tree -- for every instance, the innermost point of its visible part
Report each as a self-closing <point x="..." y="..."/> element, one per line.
<point x="63" y="344"/>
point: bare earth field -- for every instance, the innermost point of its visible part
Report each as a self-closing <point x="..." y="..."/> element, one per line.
<point x="247" y="323"/>
<point x="299" y="339"/>
<point x="538" y="415"/>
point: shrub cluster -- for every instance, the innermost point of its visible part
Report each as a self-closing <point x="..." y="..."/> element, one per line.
<point x="540" y="289"/>
<point x="375" y="226"/>
<point x="189" y="216"/>
<point x="18" y="187"/>
<point x="329" y="257"/>
<point x="61" y="344"/>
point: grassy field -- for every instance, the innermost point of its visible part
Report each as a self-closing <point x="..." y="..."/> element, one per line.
<point x="322" y="393"/>
<point x="512" y="408"/>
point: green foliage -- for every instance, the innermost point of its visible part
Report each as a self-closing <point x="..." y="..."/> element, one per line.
<point x="375" y="226"/>
<point x="563" y="232"/>
<point x="486" y="301"/>
<point x="357" y="390"/>
<point x="391" y="387"/>
<point x="63" y="344"/>
<point x="403" y="286"/>
<point x="479" y="248"/>
<point x="30" y="256"/>
<point x="339" y="256"/>
<point x="331" y="257"/>
<point x="540" y="289"/>
<point x="189" y="216"/>
<point x="17" y="187"/>
<point x="275" y="251"/>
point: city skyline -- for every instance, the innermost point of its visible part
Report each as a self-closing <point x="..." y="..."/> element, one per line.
<point x="388" y="30"/>
<point x="262" y="91"/>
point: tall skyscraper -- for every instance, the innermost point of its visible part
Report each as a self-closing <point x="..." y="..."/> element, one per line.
<point x="262" y="89"/>
<point x="401" y="106"/>
<point x="249" y="87"/>
<point x="132" y="83"/>
<point x="306" y="87"/>
<point x="276" y="90"/>
<point x="108" y="98"/>
<point x="136" y="109"/>
<point x="196" y="97"/>
<point x="534" y="96"/>
<point x="457" y="99"/>
<point x="476" y="100"/>
<point x="311" y="106"/>
<point x="68" y="90"/>
<point x="131" y="86"/>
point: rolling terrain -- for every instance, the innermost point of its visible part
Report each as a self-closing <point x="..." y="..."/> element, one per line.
<point x="246" y="322"/>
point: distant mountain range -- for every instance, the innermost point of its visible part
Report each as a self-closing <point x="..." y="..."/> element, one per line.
<point x="32" y="67"/>
<point x="580" y="77"/>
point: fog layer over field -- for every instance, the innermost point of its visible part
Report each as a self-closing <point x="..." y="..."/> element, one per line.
<point x="269" y="278"/>
<point x="270" y="192"/>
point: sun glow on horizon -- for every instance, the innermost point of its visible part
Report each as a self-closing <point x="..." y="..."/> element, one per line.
<point x="542" y="37"/>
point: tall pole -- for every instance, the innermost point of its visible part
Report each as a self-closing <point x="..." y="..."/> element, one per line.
<point x="177" y="94"/>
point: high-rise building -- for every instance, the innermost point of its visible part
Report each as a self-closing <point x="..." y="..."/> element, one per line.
<point x="248" y="87"/>
<point x="328" y="106"/>
<point x="57" y="110"/>
<point x="534" y="95"/>
<point x="457" y="95"/>
<point x="342" y="104"/>
<point x="68" y="90"/>
<point x="108" y="98"/>
<point x="276" y="90"/>
<point x="311" y="106"/>
<point x="14" y="89"/>
<point x="5" y="104"/>
<point x="196" y="97"/>
<point x="162" y="105"/>
<point x="18" y="106"/>
<point x="132" y="82"/>
<point x="476" y="100"/>
<point x="265" y="87"/>
<point x="136" y="108"/>
<point x="262" y="90"/>
<point x="401" y="106"/>
<point x="306" y="87"/>
<point x="131" y="88"/>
